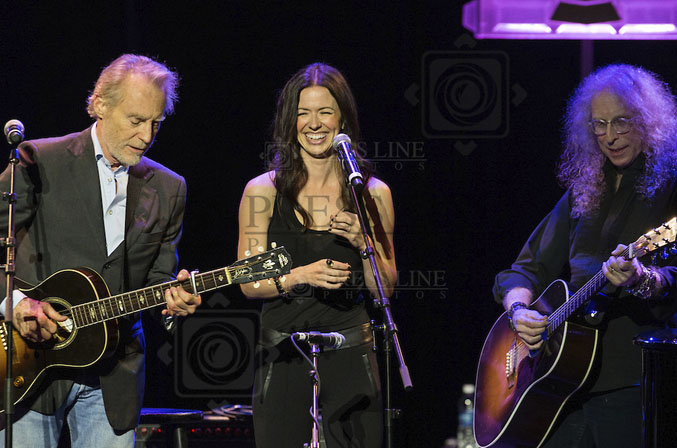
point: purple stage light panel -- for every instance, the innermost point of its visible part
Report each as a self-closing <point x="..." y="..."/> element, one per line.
<point x="572" y="19"/>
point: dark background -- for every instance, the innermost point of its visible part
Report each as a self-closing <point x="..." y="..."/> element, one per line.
<point x="465" y="200"/>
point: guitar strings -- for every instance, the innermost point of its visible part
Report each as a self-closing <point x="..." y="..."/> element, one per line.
<point x="558" y="316"/>
<point x="186" y="284"/>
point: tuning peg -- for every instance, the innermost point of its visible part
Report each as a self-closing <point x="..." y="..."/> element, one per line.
<point x="247" y="253"/>
<point x="261" y="249"/>
<point x="664" y="254"/>
<point x="273" y="244"/>
<point x="257" y="284"/>
<point x="673" y="249"/>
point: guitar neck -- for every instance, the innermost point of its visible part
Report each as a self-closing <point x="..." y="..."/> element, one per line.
<point x="272" y="263"/>
<point x="132" y="302"/>
<point x="581" y="296"/>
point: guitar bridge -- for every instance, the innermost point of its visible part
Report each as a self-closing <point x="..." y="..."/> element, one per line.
<point x="511" y="361"/>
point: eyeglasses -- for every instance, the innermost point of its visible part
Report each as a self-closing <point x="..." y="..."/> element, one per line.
<point x="620" y="125"/>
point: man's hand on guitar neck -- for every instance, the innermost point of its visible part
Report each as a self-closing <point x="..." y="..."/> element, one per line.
<point x="35" y="320"/>
<point x="180" y="302"/>
<point x="528" y="324"/>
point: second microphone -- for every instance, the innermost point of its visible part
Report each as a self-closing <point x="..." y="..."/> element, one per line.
<point x="331" y="340"/>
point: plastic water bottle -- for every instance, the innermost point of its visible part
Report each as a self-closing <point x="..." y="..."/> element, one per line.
<point x="451" y="442"/>
<point x="466" y="407"/>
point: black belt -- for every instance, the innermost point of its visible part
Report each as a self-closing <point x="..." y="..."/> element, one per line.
<point x="357" y="335"/>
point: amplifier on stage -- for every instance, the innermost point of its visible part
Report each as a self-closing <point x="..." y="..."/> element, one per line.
<point x="231" y="427"/>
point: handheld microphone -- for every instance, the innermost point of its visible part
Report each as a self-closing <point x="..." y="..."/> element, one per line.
<point x="14" y="131"/>
<point x="331" y="340"/>
<point x="341" y="143"/>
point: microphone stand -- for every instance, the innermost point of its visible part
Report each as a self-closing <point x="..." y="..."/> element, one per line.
<point x="389" y="327"/>
<point x="9" y="244"/>
<point x="315" y="437"/>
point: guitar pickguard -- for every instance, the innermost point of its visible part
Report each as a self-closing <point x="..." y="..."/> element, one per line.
<point x="66" y="332"/>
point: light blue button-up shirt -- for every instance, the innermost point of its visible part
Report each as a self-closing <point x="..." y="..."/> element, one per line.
<point x="113" y="183"/>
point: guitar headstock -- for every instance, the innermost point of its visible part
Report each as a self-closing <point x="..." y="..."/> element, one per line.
<point x="654" y="239"/>
<point x="272" y="263"/>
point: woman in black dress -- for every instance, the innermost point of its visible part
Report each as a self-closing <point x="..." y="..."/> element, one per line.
<point x="304" y="204"/>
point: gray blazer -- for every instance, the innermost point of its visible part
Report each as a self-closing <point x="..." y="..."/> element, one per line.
<point x="59" y="224"/>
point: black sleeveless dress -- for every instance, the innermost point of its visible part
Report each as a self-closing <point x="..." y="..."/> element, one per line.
<point x="350" y="398"/>
<point x="310" y="308"/>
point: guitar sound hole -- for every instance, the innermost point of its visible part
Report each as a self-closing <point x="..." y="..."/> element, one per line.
<point x="64" y="329"/>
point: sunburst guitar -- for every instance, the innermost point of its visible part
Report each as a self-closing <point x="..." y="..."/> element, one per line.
<point x="91" y="331"/>
<point x="519" y="394"/>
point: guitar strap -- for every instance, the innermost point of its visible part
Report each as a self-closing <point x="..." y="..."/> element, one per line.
<point x="125" y="265"/>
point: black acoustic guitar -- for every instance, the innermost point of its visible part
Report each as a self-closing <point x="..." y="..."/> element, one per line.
<point x="91" y="331"/>
<point x="518" y="393"/>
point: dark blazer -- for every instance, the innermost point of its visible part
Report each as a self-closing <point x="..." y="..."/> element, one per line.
<point x="59" y="224"/>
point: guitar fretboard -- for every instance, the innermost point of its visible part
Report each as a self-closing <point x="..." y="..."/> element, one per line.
<point x="577" y="300"/>
<point x="272" y="263"/>
<point x="128" y="303"/>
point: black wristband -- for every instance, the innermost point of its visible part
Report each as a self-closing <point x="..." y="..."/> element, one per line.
<point x="516" y="306"/>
